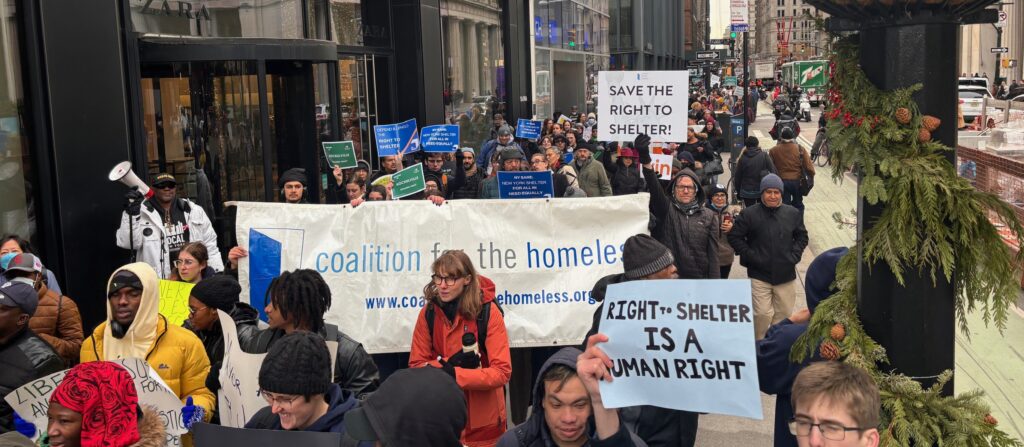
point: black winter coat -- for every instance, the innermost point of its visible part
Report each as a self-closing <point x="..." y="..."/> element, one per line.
<point x="690" y="233"/>
<point x="213" y="340"/>
<point x="354" y="369"/>
<point x="752" y="166"/>
<point x="24" y="358"/>
<point x="624" y="180"/>
<point x="770" y="242"/>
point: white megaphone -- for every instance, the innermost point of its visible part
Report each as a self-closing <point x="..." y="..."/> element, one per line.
<point x="123" y="173"/>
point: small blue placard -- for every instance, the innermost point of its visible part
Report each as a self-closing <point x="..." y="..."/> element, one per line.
<point x="528" y="129"/>
<point x="740" y="27"/>
<point x="394" y="138"/>
<point x="525" y="185"/>
<point x="440" y="138"/>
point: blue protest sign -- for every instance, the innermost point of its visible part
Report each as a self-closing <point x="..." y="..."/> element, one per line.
<point x="528" y="129"/>
<point x="525" y="185"/>
<point x="393" y="139"/>
<point x="681" y="344"/>
<point x="440" y="138"/>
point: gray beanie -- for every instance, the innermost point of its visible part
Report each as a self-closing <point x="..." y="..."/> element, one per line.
<point x="643" y="255"/>
<point x="771" y="181"/>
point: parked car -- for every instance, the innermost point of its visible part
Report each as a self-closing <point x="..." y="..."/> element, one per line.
<point x="971" y="99"/>
<point x="974" y="82"/>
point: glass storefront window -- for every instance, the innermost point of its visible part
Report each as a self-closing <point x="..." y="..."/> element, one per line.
<point x="361" y="22"/>
<point x="542" y="83"/>
<point x="17" y="207"/>
<point x="474" y="67"/>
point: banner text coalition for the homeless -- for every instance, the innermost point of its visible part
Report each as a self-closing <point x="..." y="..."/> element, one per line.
<point x="544" y="257"/>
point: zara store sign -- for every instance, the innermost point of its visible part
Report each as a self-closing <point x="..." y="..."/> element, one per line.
<point x="182" y="9"/>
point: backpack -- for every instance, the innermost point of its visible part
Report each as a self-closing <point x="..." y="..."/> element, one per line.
<point x="481" y="325"/>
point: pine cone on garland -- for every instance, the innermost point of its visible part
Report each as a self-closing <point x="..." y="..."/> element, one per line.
<point x="829" y="350"/>
<point x="903" y="115"/>
<point x="930" y="123"/>
<point x="990" y="420"/>
<point x="838" y="332"/>
<point x="924" y="136"/>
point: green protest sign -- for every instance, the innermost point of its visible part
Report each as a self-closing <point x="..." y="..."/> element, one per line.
<point x="341" y="154"/>
<point x="408" y="181"/>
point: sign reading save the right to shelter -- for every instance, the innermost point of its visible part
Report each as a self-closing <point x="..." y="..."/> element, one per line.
<point x="681" y="344"/>
<point x="642" y="102"/>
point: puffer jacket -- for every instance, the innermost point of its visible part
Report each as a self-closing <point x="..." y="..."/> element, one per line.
<point x="354" y="369"/>
<point x="471" y="189"/>
<point x="690" y="232"/>
<point x="592" y="178"/>
<point x="177" y="356"/>
<point x="58" y="323"/>
<point x="484" y="386"/>
<point x="24" y="358"/>
<point x="624" y="180"/>
<point x="534" y="432"/>
<point x="770" y="242"/>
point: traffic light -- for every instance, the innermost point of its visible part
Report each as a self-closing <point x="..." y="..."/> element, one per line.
<point x="803" y="48"/>
<point x="572" y="37"/>
<point x="732" y="35"/>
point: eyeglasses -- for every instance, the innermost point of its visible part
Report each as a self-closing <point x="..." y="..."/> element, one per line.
<point x="686" y="188"/>
<point x="539" y="162"/>
<point x="165" y="186"/>
<point x="447" y="280"/>
<point x="280" y="401"/>
<point x="185" y="262"/>
<point x="192" y="311"/>
<point x="829" y="430"/>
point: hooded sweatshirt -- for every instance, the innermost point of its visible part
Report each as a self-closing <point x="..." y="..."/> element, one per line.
<point x="175" y="353"/>
<point x="689" y="230"/>
<point x="534" y="432"/>
<point x="775" y="371"/>
<point x="338" y="401"/>
<point x="751" y="167"/>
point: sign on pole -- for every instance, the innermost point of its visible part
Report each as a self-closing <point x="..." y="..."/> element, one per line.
<point x="440" y="138"/>
<point x="631" y="103"/>
<point x="341" y="154"/>
<point x="393" y="139"/>
<point x="681" y="344"/>
<point x="408" y="181"/>
<point x="525" y="185"/>
<point x="1003" y="17"/>
<point x="1000" y="50"/>
<point x="707" y="55"/>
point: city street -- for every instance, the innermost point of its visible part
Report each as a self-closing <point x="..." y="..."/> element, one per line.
<point x="984" y="360"/>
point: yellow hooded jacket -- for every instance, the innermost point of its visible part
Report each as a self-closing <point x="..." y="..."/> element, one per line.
<point x="175" y="353"/>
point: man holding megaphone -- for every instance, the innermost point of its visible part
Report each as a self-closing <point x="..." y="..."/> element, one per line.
<point x="161" y="223"/>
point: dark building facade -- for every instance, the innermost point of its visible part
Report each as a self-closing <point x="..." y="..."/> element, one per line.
<point x="650" y="34"/>
<point x="225" y="95"/>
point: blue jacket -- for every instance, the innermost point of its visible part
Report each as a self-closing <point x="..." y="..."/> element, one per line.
<point x="775" y="371"/>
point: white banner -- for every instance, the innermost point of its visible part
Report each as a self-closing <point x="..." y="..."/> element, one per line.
<point x="650" y="102"/>
<point x="739" y="15"/>
<point x="544" y="256"/>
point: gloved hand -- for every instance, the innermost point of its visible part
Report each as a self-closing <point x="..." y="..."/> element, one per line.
<point x="468" y="360"/>
<point x="133" y="201"/>
<point x="190" y="414"/>
<point x="459" y="155"/>
<point x="642" y="144"/>
<point x="24" y="427"/>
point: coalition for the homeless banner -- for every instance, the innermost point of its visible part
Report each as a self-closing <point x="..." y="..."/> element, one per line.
<point x="544" y="257"/>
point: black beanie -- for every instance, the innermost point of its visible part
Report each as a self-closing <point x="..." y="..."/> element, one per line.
<point x="218" y="291"/>
<point x="293" y="175"/>
<point x="298" y="364"/>
<point x="643" y="255"/>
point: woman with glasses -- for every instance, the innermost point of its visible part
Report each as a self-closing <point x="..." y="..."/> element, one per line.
<point x="11" y="245"/>
<point x="191" y="265"/>
<point x="461" y="330"/>
<point x="219" y="292"/>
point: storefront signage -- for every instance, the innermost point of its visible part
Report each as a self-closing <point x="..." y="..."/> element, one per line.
<point x="182" y="9"/>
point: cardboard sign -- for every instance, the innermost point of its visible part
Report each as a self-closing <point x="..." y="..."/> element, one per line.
<point x="32" y="400"/>
<point x="174" y="300"/>
<point x="441" y="138"/>
<point x="682" y="344"/>
<point x="208" y="435"/>
<point x="341" y="154"/>
<point x="528" y="129"/>
<point x="394" y="139"/>
<point x="642" y="102"/>
<point x="525" y="185"/>
<point x="563" y="119"/>
<point x="662" y="164"/>
<point x="408" y="181"/>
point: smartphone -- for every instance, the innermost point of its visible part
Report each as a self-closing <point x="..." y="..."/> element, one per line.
<point x="727" y="217"/>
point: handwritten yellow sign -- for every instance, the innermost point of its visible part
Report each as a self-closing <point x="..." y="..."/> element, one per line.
<point x="174" y="300"/>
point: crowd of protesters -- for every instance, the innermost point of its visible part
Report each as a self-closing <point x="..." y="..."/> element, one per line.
<point x="445" y="395"/>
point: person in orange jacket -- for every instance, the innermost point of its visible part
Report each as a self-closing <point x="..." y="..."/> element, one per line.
<point x="459" y="302"/>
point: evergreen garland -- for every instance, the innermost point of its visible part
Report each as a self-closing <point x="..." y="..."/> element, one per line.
<point x="934" y="222"/>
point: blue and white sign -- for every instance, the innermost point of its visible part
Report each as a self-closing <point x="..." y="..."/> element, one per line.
<point x="440" y="138"/>
<point x="682" y="344"/>
<point x="393" y="139"/>
<point x="528" y="129"/>
<point x="525" y="185"/>
<point x="737" y="123"/>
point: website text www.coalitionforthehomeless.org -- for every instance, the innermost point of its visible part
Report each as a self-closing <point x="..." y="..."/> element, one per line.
<point x="504" y="298"/>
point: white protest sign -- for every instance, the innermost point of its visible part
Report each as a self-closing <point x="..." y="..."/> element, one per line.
<point x="543" y="275"/>
<point x="649" y="102"/>
<point x="32" y="400"/>
<point x="662" y="164"/>
<point x="682" y="344"/>
<point x="238" y="399"/>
